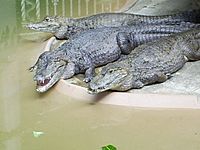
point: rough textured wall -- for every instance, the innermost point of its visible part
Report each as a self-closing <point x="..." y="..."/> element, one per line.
<point x="159" y="7"/>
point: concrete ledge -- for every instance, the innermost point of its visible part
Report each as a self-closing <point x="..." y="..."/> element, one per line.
<point x="130" y="99"/>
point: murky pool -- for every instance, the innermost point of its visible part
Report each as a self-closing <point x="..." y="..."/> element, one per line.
<point x="65" y="123"/>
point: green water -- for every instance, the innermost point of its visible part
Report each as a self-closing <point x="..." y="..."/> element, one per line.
<point x="69" y="124"/>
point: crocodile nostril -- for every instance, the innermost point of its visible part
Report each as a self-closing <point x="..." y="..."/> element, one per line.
<point x="100" y="88"/>
<point x="90" y="89"/>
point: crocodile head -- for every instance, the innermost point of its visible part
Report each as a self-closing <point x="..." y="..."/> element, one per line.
<point x="110" y="77"/>
<point x="49" y="24"/>
<point x="48" y="71"/>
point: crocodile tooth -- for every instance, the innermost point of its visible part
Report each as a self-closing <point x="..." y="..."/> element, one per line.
<point x="186" y="59"/>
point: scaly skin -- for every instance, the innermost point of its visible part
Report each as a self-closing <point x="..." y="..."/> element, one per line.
<point x="149" y="63"/>
<point x="64" y="28"/>
<point x="47" y="75"/>
<point x="93" y="48"/>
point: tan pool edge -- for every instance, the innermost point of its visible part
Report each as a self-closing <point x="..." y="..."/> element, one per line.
<point x="130" y="99"/>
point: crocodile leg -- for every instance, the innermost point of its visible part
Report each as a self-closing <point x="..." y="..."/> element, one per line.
<point x="89" y="74"/>
<point x="148" y="78"/>
<point x="69" y="71"/>
<point x="153" y="77"/>
<point x="191" y="49"/>
<point x="124" y="42"/>
<point x="128" y="84"/>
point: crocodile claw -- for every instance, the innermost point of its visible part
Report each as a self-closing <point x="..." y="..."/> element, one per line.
<point x="31" y="69"/>
<point x="86" y="80"/>
<point x="90" y="91"/>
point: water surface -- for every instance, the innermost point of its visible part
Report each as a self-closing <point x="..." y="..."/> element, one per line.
<point x="68" y="123"/>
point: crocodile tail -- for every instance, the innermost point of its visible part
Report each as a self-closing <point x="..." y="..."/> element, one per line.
<point x="140" y="38"/>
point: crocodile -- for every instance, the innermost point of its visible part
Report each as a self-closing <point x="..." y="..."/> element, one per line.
<point x="90" y="49"/>
<point x="153" y="62"/>
<point x="64" y="28"/>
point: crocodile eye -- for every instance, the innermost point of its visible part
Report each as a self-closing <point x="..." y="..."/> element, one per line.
<point x="119" y="68"/>
<point x="60" y="62"/>
<point x="56" y="60"/>
<point x="47" y="19"/>
<point x="111" y="71"/>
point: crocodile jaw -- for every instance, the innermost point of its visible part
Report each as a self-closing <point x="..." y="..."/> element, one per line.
<point x="101" y="83"/>
<point x="51" y="27"/>
<point x="45" y="83"/>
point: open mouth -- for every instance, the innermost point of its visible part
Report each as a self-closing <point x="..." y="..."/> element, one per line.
<point x="43" y="82"/>
<point x="46" y="83"/>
